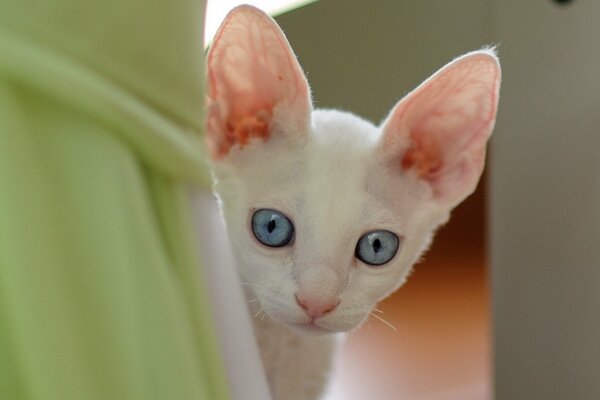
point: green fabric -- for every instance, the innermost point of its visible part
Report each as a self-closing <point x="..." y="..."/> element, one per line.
<point x="100" y="134"/>
<point x="153" y="48"/>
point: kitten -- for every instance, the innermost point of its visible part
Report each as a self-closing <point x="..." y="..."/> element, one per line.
<point x="326" y="212"/>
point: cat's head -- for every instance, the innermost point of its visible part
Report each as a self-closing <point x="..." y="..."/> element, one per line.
<point x="326" y="212"/>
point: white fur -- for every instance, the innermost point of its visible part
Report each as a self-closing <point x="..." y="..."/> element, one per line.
<point x="335" y="190"/>
<point x="336" y="176"/>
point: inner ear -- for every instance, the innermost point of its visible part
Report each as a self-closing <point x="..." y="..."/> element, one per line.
<point x="254" y="80"/>
<point x="440" y="130"/>
<point x="424" y="156"/>
<point x="245" y="123"/>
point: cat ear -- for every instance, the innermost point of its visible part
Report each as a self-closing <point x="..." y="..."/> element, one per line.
<point x="254" y="83"/>
<point x="440" y="130"/>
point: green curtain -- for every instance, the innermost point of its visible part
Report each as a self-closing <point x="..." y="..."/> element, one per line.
<point x="100" y="135"/>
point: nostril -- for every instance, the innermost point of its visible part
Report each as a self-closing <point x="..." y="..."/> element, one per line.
<point x="314" y="308"/>
<point x="300" y="303"/>
<point x="331" y="307"/>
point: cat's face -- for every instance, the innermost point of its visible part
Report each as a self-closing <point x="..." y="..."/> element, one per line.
<point x="334" y="188"/>
<point x="326" y="212"/>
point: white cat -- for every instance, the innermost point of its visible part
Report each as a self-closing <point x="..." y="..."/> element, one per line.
<point x="326" y="212"/>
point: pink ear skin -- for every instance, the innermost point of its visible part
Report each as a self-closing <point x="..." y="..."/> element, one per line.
<point x="252" y="75"/>
<point x="440" y="130"/>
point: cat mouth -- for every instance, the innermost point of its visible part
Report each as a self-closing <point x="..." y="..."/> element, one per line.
<point x="309" y="328"/>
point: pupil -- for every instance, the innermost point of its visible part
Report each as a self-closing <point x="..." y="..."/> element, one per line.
<point x="376" y="245"/>
<point x="271" y="226"/>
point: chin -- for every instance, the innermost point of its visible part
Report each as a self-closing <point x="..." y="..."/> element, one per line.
<point x="318" y="328"/>
<point x="309" y="329"/>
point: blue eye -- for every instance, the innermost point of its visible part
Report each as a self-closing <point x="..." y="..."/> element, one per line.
<point x="377" y="247"/>
<point x="272" y="228"/>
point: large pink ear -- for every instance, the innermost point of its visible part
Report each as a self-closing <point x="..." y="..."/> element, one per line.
<point x="440" y="130"/>
<point x="254" y="80"/>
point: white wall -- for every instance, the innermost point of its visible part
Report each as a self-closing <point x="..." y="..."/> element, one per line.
<point x="545" y="181"/>
<point x="364" y="55"/>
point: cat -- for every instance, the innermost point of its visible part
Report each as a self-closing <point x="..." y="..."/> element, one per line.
<point x="326" y="212"/>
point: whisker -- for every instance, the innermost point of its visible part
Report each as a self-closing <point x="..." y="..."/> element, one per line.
<point x="358" y="328"/>
<point x="378" y="310"/>
<point x="263" y="316"/>
<point x="258" y="312"/>
<point x="361" y="326"/>
<point x="351" y="333"/>
<point x="252" y="300"/>
<point x="385" y="322"/>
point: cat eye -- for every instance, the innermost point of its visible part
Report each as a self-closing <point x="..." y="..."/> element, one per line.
<point x="377" y="247"/>
<point x="272" y="228"/>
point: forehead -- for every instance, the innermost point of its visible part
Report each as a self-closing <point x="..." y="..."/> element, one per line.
<point x="347" y="177"/>
<point x="335" y="178"/>
<point x="340" y="160"/>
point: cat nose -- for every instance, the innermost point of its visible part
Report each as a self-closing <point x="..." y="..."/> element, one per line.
<point x="316" y="308"/>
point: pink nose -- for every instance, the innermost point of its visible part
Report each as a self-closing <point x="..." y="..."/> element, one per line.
<point x="316" y="308"/>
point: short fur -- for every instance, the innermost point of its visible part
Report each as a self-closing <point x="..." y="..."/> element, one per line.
<point x="336" y="176"/>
